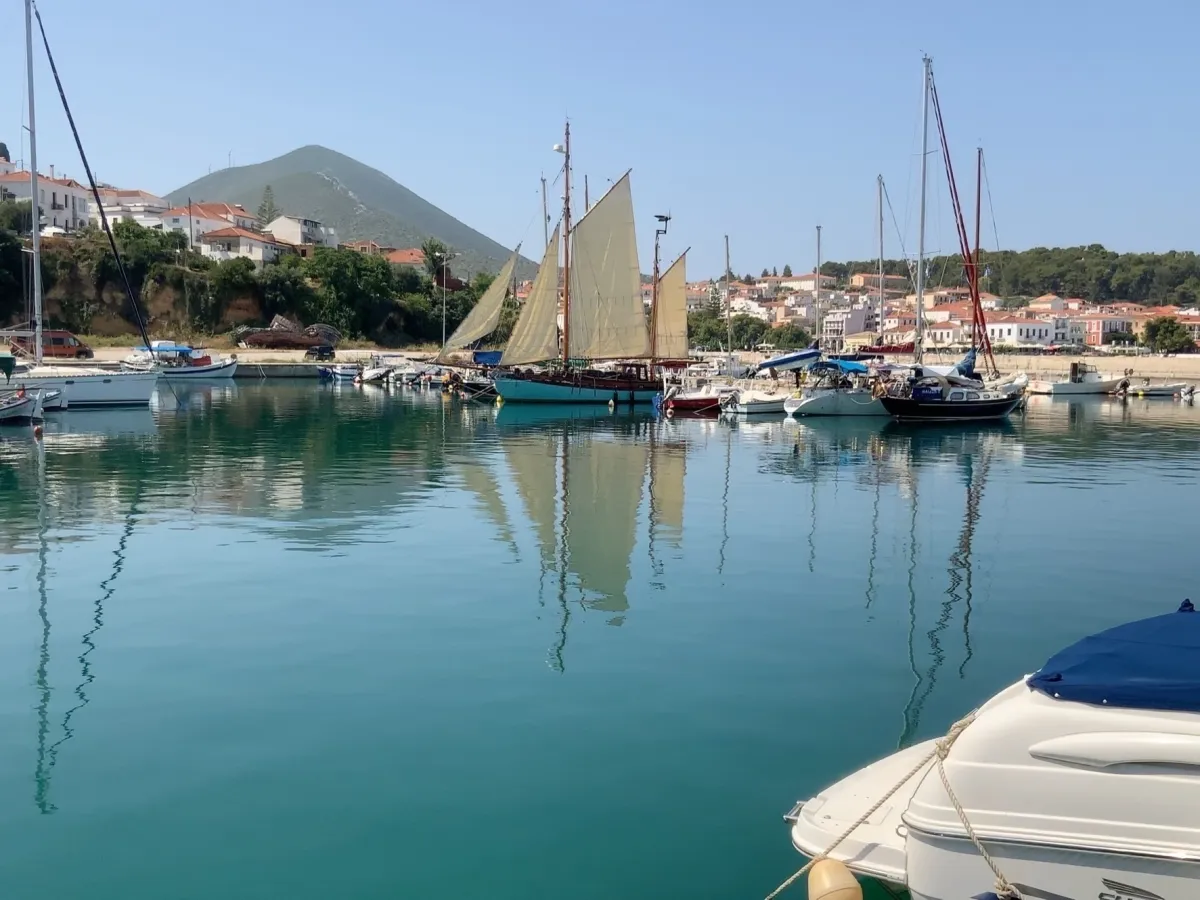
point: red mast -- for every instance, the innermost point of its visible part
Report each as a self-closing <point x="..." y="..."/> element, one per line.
<point x="970" y="260"/>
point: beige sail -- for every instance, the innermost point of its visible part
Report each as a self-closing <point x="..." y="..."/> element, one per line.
<point x="670" y="313"/>
<point x="535" y="470"/>
<point x="607" y="317"/>
<point x="604" y="477"/>
<point x="535" y="336"/>
<point x="668" y="465"/>
<point x="479" y="480"/>
<point x="485" y="315"/>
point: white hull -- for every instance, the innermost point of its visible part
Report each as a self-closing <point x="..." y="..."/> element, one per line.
<point x="93" y="387"/>
<point x="342" y="372"/>
<point x="15" y="410"/>
<point x="1158" y="390"/>
<point x="852" y="402"/>
<point x="377" y="374"/>
<point x="744" y="404"/>
<point x="225" y="369"/>
<point x="1067" y="388"/>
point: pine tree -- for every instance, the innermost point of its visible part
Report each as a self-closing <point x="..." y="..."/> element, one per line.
<point x="765" y="273"/>
<point x="774" y="272"/>
<point x="268" y="212"/>
<point x="787" y="271"/>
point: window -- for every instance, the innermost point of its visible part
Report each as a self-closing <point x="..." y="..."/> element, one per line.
<point x="58" y="341"/>
<point x="956" y="395"/>
<point x="971" y="395"/>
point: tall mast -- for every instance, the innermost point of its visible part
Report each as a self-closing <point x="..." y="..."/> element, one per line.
<point x="545" y="216"/>
<point x="587" y="203"/>
<point x="879" y="322"/>
<point x="817" y="288"/>
<point x="35" y="216"/>
<point x="659" y="230"/>
<point x="728" y="314"/>
<point x="917" y="343"/>
<point x="976" y="325"/>
<point x="566" y="336"/>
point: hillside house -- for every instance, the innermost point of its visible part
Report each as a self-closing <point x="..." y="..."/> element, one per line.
<point x="231" y="243"/>
<point x="64" y="202"/>
<point x="302" y="232"/>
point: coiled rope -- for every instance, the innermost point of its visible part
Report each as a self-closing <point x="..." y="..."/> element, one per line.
<point x="940" y="751"/>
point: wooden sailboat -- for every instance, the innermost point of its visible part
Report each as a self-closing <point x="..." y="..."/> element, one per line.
<point x="603" y="317"/>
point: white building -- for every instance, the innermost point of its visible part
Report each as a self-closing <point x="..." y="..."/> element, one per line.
<point x="197" y="219"/>
<point x="130" y="206"/>
<point x="838" y="323"/>
<point x="298" y="230"/>
<point x="233" y="242"/>
<point x="63" y="201"/>
<point x="807" y="282"/>
<point x="1015" y="332"/>
<point x="746" y="306"/>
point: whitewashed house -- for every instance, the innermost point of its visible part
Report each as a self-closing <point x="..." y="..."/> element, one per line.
<point x="130" y="206"/>
<point x="299" y="230"/>
<point x="233" y="242"/>
<point x="64" y="202"/>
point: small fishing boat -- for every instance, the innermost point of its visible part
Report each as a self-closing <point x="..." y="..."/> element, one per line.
<point x="179" y="362"/>
<point x="20" y="407"/>
<point x="1146" y="389"/>
<point x="339" y="372"/>
<point x="1080" y="780"/>
<point x="1082" y="379"/>
<point x="754" y="403"/>
<point x="53" y="400"/>
<point x="705" y="401"/>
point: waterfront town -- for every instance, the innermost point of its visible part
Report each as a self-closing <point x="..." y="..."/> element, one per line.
<point x="855" y="313"/>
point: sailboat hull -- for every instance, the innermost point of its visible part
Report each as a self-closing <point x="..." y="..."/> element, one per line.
<point x="93" y="387"/>
<point x="584" y="389"/>
<point x="836" y="402"/>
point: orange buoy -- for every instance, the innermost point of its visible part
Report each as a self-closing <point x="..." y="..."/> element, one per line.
<point x="831" y="880"/>
<point x="37" y="431"/>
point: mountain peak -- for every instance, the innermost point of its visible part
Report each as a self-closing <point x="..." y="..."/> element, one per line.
<point x="358" y="201"/>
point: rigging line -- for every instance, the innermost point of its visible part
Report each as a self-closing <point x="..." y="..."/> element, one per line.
<point x="112" y="241"/>
<point x="899" y="236"/>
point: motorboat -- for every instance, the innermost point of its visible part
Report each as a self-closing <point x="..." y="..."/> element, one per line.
<point x="375" y="370"/>
<point x="787" y="362"/>
<point x="704" y="401"/>
<point x="1079" y="781"/>
<point x="339" y="371"/>
<point x="1082" y="379"/>
<point x="54" y="401"/>
<point x="938" y="398"/>
<point x="754" y="403"/>
<point x="1146" y="389"/>
<point x="179" y="362"/>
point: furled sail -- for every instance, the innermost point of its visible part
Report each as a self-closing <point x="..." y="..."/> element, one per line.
<point x="607" y="317"/>
<point x="670" y="313"/>
<point x="485" y="316"/>
<point x="535" y="336"/>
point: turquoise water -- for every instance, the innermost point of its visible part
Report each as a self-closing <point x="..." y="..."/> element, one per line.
<point x="307" y="642"/>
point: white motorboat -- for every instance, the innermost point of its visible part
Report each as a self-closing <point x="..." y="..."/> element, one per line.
<point x="754" y="403"/>
<point x="1080" y="781"/>
<point x="1146" y="389"/>
<point x="340" y="371"/>
<point x="179" y="362"/>
<point x="53" y="401"/>
<point x="793" y="359"/>
<point x="1083" y="379"/>
<point x="376" y="370"/>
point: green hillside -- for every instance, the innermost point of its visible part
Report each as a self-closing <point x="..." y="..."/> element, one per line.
<point x="356" y="200"/>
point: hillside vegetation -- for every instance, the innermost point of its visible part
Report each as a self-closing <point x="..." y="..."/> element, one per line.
<point x="183" y="293"/>
<point x="357" y="201"/>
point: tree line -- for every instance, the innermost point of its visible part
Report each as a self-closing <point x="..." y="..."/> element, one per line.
<point x="1091" y="273"/>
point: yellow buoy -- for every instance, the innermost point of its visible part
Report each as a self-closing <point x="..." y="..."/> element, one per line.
<point x="831" y="880"/>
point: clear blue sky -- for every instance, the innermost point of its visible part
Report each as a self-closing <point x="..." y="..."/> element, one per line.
<point x="760" y="118"/>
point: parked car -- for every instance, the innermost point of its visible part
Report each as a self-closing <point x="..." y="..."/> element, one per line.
<point x="321" y="353"/>
<point x="56" y="345"/>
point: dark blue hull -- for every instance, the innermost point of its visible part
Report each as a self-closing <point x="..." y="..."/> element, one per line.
<point x="907" y="409"/>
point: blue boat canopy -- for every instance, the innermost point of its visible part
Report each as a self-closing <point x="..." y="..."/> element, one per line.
<point x="845" y="366"/>
<point x="165" y="348"/>
<point x="487" y="357"/>
<point x="1149" y="664"/>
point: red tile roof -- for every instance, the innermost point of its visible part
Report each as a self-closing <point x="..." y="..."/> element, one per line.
<point x="413" y="256"/>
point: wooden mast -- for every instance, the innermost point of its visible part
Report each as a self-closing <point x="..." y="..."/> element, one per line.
<point x="566" y="337"/>
<point x="977" y="326"/>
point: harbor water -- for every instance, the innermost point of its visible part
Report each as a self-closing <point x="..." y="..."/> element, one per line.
<point x="312" y="642"/>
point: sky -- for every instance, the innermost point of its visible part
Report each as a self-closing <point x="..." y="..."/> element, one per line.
<point x="760" y="119"/>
